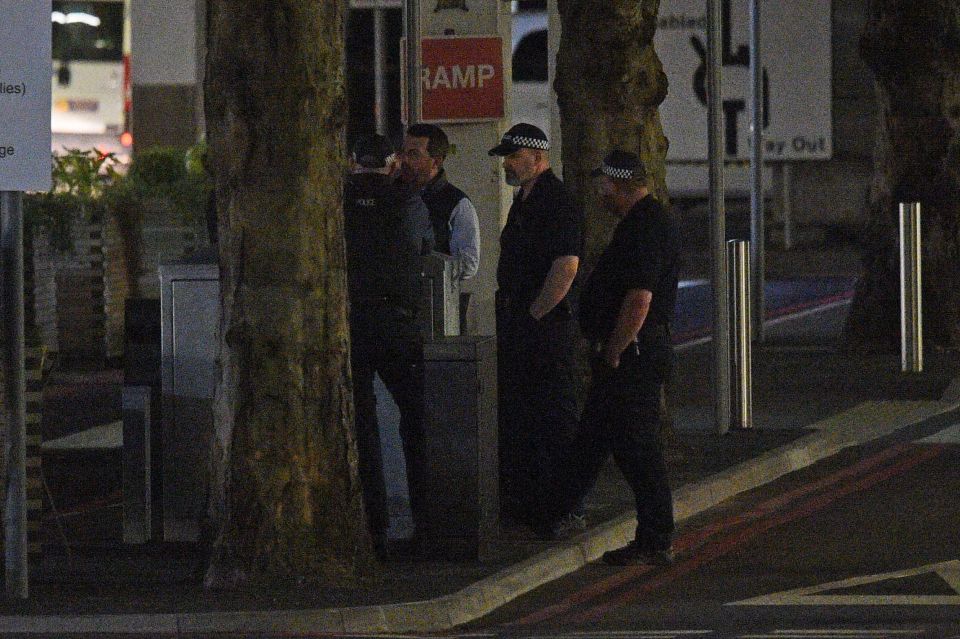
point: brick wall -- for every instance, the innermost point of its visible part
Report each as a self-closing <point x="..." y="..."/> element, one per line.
<point x="79" y="294"/>
<point x="115" y="289"/>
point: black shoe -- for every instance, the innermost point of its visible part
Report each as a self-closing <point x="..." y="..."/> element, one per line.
<point x="633" y="554"/>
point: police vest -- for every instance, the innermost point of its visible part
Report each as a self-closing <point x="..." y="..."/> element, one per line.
<point x="382" y="262"/>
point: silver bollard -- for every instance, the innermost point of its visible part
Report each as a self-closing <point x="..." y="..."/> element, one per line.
<point x="738" y="254"/>
<point x="911" y="302"/>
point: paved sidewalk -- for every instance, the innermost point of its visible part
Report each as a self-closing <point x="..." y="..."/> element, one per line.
<point x="811" y="400"/>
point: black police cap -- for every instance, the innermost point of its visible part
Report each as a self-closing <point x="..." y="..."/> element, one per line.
<point x="521" y="136"/>
<point x="621" y="165"/>
<point x="372" y="151"/>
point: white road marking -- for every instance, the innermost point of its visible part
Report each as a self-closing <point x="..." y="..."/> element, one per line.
<point x="949" y="571"/>
<point x="625" y="634"/>
<point x="946" y="436"/>
<point x="823" y="633"/>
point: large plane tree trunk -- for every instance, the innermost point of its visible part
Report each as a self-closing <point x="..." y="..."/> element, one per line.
<point x="609" y="86"/>
<point x="286" y="501"/>
<point x="913" y="49"/>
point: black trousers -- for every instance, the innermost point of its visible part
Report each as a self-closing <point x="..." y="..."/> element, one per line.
<point x="537" y="405"/>
<point x="621" y="416"/>
<point x="386" y="341"/>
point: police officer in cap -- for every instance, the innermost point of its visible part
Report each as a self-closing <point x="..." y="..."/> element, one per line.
<point x="540" y="249"/>
<point x="387" y="229"/>
<point x="625" y="311"/>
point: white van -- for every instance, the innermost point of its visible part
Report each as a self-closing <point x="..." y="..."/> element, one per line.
<point x="531" y="88"/>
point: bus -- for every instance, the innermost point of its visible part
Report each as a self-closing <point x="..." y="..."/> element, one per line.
<point x="90" y="80"/>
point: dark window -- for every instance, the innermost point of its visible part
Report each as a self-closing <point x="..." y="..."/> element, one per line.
<point x="530" y="58"/>
<point x="532" y="5"/>
<point x="87" y="31"/>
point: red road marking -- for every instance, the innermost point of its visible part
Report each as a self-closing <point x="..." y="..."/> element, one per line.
<point x="729" y="543"/>
<point x="802" y="306"/>
<point x="700" y="331"/>
<point x="699" y="536"/>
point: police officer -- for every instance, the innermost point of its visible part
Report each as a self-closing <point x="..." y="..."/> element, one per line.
<point x="540" y="249"/>
<point x="454" y="218"/>
<point x="387" y="229"/>
<point x="625" y="311"/>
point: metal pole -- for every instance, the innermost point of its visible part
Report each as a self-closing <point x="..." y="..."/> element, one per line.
<point x="411" y="31"/>
<point x="757" y="239"/>
<point x="739" y="260"/>
<point x="379" y="70"/>
<point x="715" y="148"/>
<point x="911" y="303"/>
<point x="15" y="509"/>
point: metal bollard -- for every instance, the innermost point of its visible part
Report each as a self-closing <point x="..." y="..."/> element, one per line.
<point x="911" y="303"/>
<point x="738" y="253"/>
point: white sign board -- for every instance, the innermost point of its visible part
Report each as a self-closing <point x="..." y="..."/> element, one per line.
<point x="25" y="95"/>
<point x="376" y="4"/>
<point x="795" y="51"/>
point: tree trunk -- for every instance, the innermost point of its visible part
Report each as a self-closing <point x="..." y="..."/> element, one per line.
<point x="609" y="85"/>
<point x="286" y="502"/>
<point x="913" y="49"/>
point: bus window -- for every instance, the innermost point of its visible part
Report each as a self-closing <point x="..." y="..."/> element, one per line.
<point x="87" y="31"/>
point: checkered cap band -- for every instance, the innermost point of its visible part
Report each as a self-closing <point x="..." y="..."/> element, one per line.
<point x="522" y="140"/>
<point x="621" y="174"/>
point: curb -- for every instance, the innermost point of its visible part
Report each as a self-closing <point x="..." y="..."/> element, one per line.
<point x="861" y="424"/>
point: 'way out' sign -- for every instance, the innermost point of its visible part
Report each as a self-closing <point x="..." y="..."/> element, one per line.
<point x="461" y="79"/>
<point x="25" y="95"/>
<point x="795" y="51"/>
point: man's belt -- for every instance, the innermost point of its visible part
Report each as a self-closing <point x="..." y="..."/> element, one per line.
<point x="649" y="333"/>
<point x="653" y="332"/>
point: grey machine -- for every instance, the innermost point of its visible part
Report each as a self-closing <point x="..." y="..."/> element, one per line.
<point x="189" y="334"/>
<point x="461" y="423"/>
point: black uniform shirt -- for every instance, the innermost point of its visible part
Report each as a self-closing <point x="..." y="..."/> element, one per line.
<point x="641" y="255"/>
<point x="545" y="226"/>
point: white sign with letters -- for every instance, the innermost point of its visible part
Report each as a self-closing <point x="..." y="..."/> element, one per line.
<point x="25" y="95"/>
<point x="795" y="50"/>
<point x="376" y="4"/>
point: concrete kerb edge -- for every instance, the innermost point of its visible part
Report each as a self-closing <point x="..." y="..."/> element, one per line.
<point x="319" y="620"/>
<point x="90" y="624"/>
<point x="492" y="592"/>
<point x="696" y="498"/>
<point x="486" y="595"/>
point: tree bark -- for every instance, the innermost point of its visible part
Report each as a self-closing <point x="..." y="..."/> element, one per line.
<point x="609" y="86"/>
<point x="913" y="50"/>
<point x="286" y="502"/>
